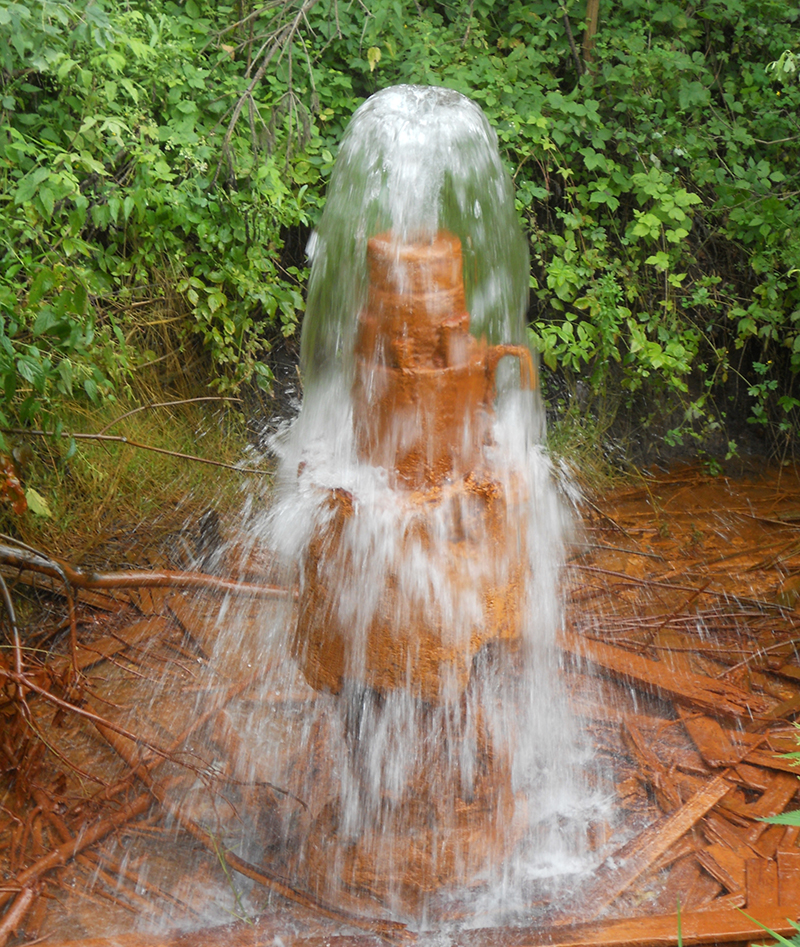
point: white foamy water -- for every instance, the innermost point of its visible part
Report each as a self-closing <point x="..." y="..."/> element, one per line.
<point x="380" y="776"/>
<point x="414" y="159"/>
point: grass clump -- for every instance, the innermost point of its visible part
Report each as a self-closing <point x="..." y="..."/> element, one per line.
<point x="99" y="492"/>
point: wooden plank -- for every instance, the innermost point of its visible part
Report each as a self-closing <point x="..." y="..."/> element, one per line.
<point x="771" y="840"/>
<point x="753" y="777"/>
<point x="651" y="768"/>
<point x="762" y="884"/>
<point x="713" y="926"/>
<point x="152" y="601"/>
<point x="711" y="740"/>
<point x="719" y="828"/>
<point x="727" y="925"/>
<point x="790" y="837"/>
<point x="627" y="863"/>
<point x="713" y="696"/>
<point x="768" y="760"/>
<point x="788" y="879"/>
<point x="773" y="801"/>
<point x="689" y="885"/>
<point x="724" y="864"/>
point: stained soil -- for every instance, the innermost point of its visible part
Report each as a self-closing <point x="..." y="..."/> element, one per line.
<point x="681" y="655"/>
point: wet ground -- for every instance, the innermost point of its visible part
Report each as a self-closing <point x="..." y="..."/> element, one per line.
<point x="681" y="658"/>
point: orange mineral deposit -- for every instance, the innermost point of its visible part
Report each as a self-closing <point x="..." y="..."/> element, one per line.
<point x="423" y="396"/>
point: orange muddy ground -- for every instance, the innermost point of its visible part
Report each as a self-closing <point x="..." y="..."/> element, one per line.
<point x="684" y="605"/>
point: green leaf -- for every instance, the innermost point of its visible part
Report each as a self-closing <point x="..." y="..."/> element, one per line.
<point x="659" y="260"/>
<point x="44" y="320"/>
<point x="29" y="185"/>
<point x="42" y="284"/>
<point x="785" y="818"/>
<point x="47" y="200"/>
<point x="37" y="503"/>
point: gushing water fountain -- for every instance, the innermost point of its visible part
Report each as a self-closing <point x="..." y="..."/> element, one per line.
<point x="415" y="495"/>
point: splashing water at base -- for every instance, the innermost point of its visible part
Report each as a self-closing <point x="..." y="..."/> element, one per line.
<point x="439" y="756"/>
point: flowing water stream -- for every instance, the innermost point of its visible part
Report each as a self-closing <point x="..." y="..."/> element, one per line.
<point x="445" y="758"/>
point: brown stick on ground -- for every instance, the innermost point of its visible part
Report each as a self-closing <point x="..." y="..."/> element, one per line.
<point x="87" y="837"/>
<point x="26" y="561"/>
<point x="16" y="913"/>
<point x="64" y="852"/>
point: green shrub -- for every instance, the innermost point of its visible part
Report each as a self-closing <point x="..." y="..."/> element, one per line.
<point x="658" y="184"/>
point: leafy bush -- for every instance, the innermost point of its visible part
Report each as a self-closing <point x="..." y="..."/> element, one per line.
<point x="181" y="143"/>
<point x="658" y="181"/>
<point x="110" y="163"/>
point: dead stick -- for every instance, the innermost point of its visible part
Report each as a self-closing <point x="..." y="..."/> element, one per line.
<point x="166" y="404"/>
<point x="23" y="680"/>
<point x="762" y="606"/>
<point x="16" y="644"/>
<point x="93" y="862"/>
<point x="70" y="848"/>
<point x="675" y="612"/>
<point x="16" y="914"/>
<point x="24" y="560"/>
<point x="114" y="868"/>
<point x="73" y="629"/>
<point x="150" y="765"/>
<point x="67" y="850"/>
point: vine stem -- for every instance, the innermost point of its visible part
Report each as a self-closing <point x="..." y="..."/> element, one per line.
<point x="121" y="439"/>
<point x="166" y="404"/>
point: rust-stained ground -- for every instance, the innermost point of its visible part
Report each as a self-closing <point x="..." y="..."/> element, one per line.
<point x="683" y="606"/>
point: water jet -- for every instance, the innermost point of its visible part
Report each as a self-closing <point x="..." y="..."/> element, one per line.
<point x="417" y="498"/>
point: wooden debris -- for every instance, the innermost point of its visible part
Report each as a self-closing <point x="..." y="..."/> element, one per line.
<point x="625" y="865"/>
<point x="704" y="693"/>
<point x="726" y="865"/>
<point x="61" y="854"/>
<point x="789" y="880"/>
<point x="762" y="883"/>
<point x="89" y="655"/>
<point x="702" y="664"/>
<point x="714" y="744"/>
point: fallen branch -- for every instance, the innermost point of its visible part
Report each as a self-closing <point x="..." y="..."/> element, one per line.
<point x="166" y="404"/>
<point x="27" y="561"/>
<point x="626" y="579"/>
<point x="22" y="680"/>
<point x="67" y="850"/>
<point x="16" y="913"/>
<point x="142" y="768"/>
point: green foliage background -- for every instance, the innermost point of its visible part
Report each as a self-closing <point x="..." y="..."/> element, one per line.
<point x="155" y="151"/>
